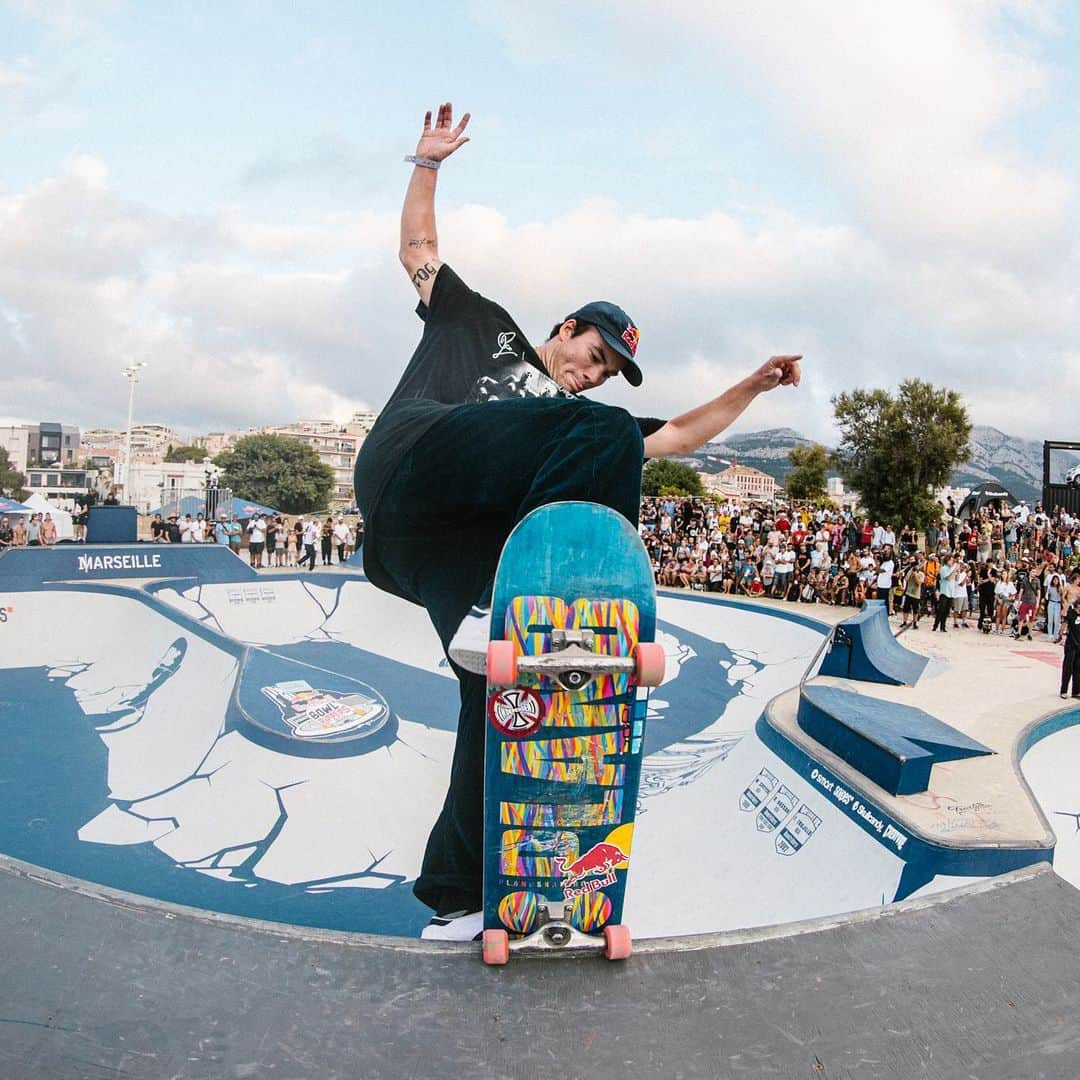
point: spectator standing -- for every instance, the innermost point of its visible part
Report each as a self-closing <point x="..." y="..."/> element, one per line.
<point x="1053" y="608"/>
<point x="20" y="535"/>
<point x="48" y="531"/>
<point x="290" y="545"/>
<point x="960" y="605"/>
<point x="221" y="531"/>
<point x="1027" y="591"/>
<point x="987" y="585"/>
<point x="913" y="585"/>
<point x="945" y="594"/>
<point x="341" y="539"/>
<point x="311" y="539"/>
<point x="234" y="535"/>
<point x="1070" y="664"/>
<point x="884" y="580"/>
<point x="7" y="534"/>
<point x="1004" y="595"/>
<point x="33" y="531"/>
<point x="271" y="540"/>
<point x="326" y="536"/>
<point x="256" y="531"/>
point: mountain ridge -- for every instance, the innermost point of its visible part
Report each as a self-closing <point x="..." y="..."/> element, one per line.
<point x="1014" y="462"/>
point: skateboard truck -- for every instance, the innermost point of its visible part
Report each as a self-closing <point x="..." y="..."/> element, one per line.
<point x="554" y="932"/>
<point x="572" y="663"/>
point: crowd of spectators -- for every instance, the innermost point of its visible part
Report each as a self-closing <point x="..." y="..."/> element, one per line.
<point x="38" y="531"/>
<point x="272" y="541"/>
<point x="1018" y="568"/>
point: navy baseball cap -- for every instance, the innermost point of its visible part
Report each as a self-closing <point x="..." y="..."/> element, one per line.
<point x="617" y="329"/>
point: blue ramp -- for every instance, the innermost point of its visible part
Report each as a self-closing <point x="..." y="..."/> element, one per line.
<point x="32" y="567"/>
<point x="894" y="745"/>
<point x="863" y="647"/>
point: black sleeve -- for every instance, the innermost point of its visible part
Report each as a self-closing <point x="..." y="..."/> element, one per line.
<point x="448" y="294"/>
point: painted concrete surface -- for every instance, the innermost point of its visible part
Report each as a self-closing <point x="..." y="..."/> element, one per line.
<point x="140" y="720"/>
<point x="154" y="748"/>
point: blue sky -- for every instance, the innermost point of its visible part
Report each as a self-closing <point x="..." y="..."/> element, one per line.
<point x="214" y="188"/>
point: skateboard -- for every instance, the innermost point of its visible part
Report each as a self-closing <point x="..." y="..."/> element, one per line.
<point x="569" y="661"/>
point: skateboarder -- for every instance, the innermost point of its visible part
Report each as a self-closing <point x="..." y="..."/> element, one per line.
<point x="481" y="429"/>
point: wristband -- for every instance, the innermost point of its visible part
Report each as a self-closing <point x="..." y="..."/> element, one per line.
<point x="423" y="162"/>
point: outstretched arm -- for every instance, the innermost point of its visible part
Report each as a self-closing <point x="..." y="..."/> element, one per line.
<point x="686" y="433"/>
<point x="419" y="250"/>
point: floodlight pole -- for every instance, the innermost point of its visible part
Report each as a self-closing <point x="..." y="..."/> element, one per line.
<point x="131" y="373"/>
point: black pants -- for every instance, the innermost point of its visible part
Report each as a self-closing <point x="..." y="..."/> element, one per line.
<point x="309" y="553"/>
<point x="435" y="537"/>
<point x="327" y="548"/>
<point x="1070" y="671"/>
<point x="941" y="611"/>
<point x="341" y="553"/>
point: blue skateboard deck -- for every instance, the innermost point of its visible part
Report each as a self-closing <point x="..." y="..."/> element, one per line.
<point x="564" y="741"/>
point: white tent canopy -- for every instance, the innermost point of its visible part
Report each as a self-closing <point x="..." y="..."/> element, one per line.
<point x="40" y="505"/>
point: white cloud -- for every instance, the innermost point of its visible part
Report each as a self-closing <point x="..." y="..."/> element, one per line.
<point x="953" y="255"/>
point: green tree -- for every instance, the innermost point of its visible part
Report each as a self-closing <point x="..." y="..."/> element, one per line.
<point x="278" y="471"/>
<point x="11" y="482"/>
<point x="176" y="454"/>
<point x="896" y="451"/>
<point x="664" y="477"/>
<point x="806" y="481"/>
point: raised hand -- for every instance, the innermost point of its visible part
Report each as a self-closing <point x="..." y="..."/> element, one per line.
<point x="440" y="141"/>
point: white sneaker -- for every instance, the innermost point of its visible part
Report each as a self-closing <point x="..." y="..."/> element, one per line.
<point x="458" y="926"/>
<point x="468" y="647"/>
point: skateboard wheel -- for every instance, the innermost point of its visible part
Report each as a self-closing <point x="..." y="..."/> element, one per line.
<point x="501" y="663"/>
<point x="651" y="663"/>
<point x="496" y="946"/>
<point x="617" y="943"/>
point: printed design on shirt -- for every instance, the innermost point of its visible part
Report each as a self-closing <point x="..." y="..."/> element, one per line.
<point x="520" y="380"/>
<point x="506" y="339"/>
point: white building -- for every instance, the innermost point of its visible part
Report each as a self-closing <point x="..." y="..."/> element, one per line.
<point x="155" y="484"/>
<point x="751" y="483"/>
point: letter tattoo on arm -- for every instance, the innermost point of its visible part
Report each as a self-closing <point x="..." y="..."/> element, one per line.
<point x="421" y="242"/>
<point x="424" y="273"/>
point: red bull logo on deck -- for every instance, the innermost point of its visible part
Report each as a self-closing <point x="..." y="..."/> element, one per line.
<point x="594" y="868"/>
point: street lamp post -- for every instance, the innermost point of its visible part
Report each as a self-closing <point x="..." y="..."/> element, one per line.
<point x="131" y="373"/>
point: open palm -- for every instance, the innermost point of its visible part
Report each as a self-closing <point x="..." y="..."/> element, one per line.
<point x="444" y="138"/>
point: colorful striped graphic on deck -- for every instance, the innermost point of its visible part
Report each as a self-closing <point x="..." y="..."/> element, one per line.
<point x="569" y="761"/>
<point x="590" y="912"/>
<point x="564" y="815"/>
<point x="573" y="710"/>
<point x="524" y="853"/>
<point x="517" y="911"/>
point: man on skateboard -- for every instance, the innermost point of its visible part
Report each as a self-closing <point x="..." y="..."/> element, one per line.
<point x="481" y="429"/>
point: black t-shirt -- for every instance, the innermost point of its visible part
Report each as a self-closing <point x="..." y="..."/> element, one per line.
<point x="471" y="351"/>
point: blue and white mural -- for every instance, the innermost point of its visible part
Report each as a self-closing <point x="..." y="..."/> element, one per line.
<point x="278" y="747"/>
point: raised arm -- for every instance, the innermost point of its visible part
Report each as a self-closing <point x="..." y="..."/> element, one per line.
<point x="419" y="250"/>
<point x="686" y="433"/>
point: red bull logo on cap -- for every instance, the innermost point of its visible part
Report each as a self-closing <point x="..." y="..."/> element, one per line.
<point x="631" y="336"/>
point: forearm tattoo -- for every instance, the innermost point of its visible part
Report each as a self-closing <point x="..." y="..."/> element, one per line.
<point x="424" y="273"/>
<point x="420" y="242"/>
